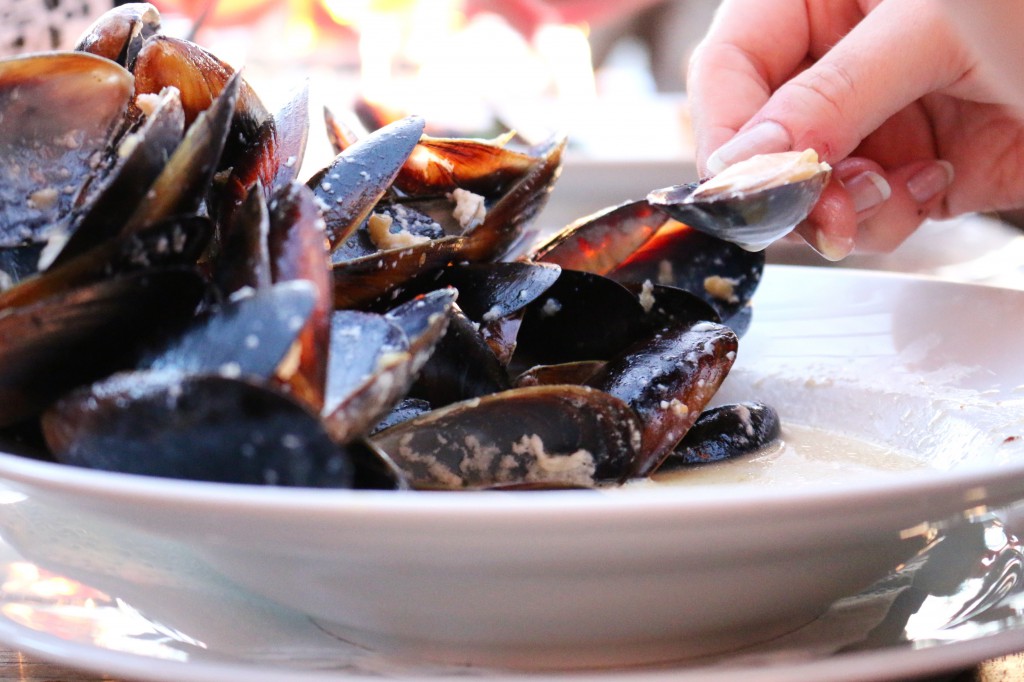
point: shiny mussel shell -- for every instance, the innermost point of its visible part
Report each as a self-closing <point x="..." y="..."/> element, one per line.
<point x="551" y="435"/>
<point x="760" y="201"/>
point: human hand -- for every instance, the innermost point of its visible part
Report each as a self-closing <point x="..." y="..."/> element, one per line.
<point x="884" y="90"/>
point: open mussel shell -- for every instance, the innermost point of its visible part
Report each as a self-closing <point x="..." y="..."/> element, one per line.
<point x="270" y="160"/>
<point x="760" y="201"/>
<point x="507" y="220"/>
<point x="200" y="77"/>
<point x="199" y="427"/>
<point x="60" y="112"/>
<point x="555" y="435"/>
<point x="140" y="156"/>
<point x="385" y="276"/>
<point x="442" y="164"/>
<point x="725" y="432"/>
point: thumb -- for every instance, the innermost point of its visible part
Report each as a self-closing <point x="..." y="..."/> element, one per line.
<point x="901" y="51"/>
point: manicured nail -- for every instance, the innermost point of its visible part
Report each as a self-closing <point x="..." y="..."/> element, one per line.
<point x="930" y="180"/>
<point x="868" y="190"/>
<point x="765" y="137"/>
<point x="832" y="247"/>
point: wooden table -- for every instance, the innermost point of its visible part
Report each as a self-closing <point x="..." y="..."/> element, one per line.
<point x="18" y="667"/>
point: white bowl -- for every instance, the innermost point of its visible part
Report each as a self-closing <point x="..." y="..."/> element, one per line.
<point x="642" y="574"/>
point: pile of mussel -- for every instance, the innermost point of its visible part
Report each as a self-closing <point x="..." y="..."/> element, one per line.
<point x="177" y="303"/>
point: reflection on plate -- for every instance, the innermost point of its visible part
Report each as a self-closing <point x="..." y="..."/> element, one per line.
<point x="955" y="604"/>
<point x="572" y="579"/>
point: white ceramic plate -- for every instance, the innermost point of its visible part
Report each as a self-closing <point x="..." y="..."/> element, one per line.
<point x="566" y="579"/>
<point x="202" y="629"/>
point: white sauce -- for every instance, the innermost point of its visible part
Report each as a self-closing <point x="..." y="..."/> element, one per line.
<point x="807" y="456"/>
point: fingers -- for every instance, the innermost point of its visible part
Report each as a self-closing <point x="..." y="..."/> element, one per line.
<point x="896" y="54"/>
<point x="751" y="48"/>
<point x="872" y="209"/>
<point x="863" y="81"/>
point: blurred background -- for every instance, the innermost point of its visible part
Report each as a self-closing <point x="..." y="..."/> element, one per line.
<point x="608" y="73"/>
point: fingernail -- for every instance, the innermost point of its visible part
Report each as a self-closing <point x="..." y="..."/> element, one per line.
<point x="930" y="180"/>
<point x="766" y="136"/>
<point x="867" y="190"/>
<point x="832" y="247"/>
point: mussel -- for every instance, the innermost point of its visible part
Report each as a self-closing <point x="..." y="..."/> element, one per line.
<point x="178" y="303"/>
<point x="752" y="203"/>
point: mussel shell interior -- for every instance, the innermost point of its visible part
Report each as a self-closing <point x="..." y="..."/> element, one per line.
<point x="752" y="220"/>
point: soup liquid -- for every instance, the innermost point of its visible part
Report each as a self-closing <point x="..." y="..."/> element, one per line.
<point x="804" y="456"/>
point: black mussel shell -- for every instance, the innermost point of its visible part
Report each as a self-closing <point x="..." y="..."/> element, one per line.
<point x="243" y="260"/>
<point x="174" y="242"/>
<point x="581" y="316"/>
<point x="363" y="345"/>
<point x="440" y="165"/>
<point x="298" y="252"/>
<point x="205" y="428"/>
<point x="79" y="336"/>
<point x="491" y="291"/>
<point x="406" y="409"/>
<point x="390" y="226"/>
<point x="462" y="366"/>
<point x="508" y="218"/>
<point x="272" y="157"/>
<point x="721" y="273"/>
<point x="752" y="218"/>
<point x="60" y="112"/>
<point x="555" y="435"/>
<point x="374" y="360"/>
<point x="565" y="373"/>
<point x="384" y="278"/>
<point x="726" y="432"/>
<point x="184" y="181"/>
<point x="248" y="336"/>
<point x="357" y="179"/>
<point x="200" y="78"/>
<point x="668" y="379"/>
<point x="141" y="156"/>
<point x="291" y="124"/>
<point x="666" y="305"/>
<point x="339" y="134"/>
